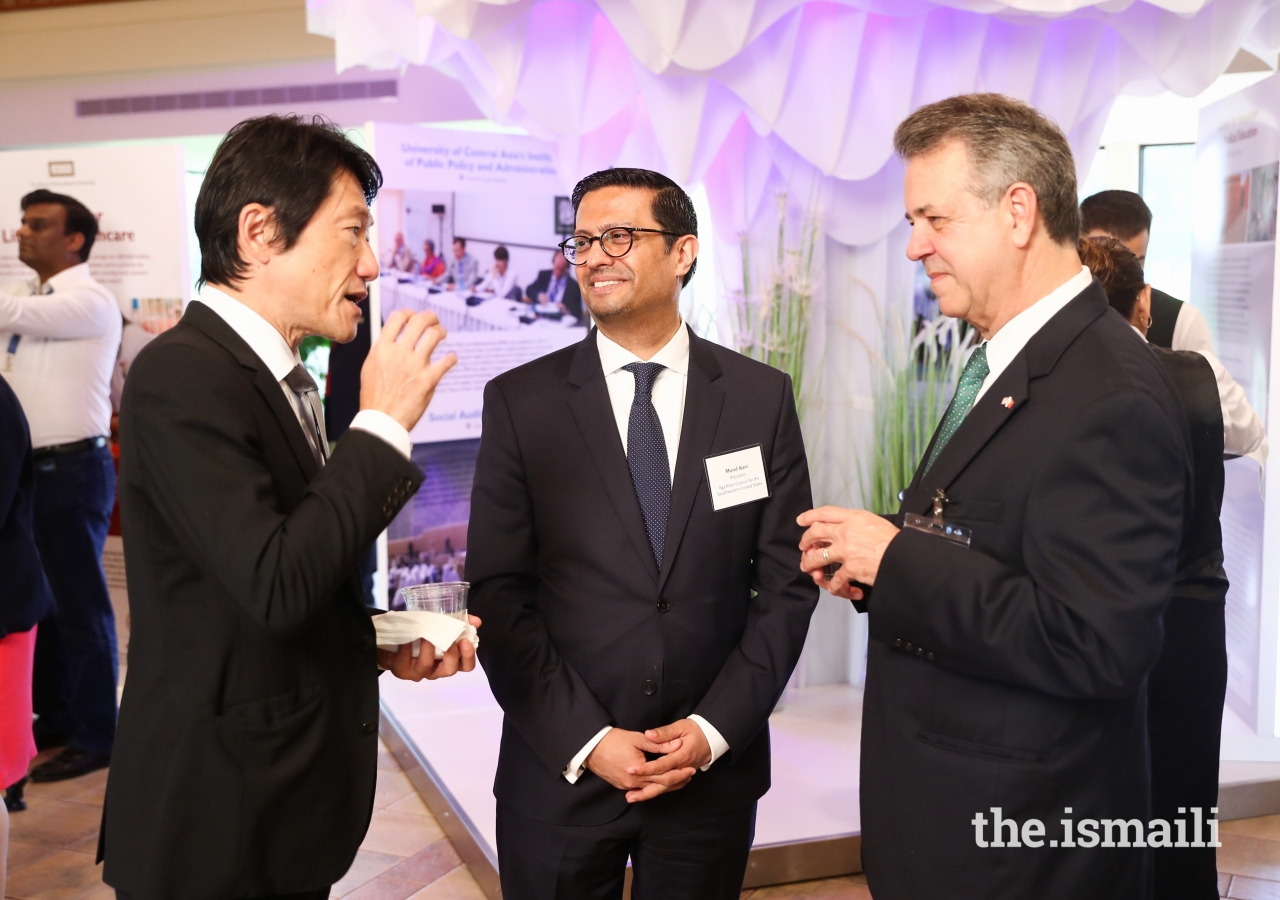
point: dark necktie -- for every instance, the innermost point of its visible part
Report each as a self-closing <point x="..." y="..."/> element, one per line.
<point x="975" y="372"/>
<point x="300" y="381"/>
<point x="647" y="457"/>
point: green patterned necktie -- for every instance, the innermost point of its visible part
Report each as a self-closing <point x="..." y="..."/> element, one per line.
<point x="975" y="372"/>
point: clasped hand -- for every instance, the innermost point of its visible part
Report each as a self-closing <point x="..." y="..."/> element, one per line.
<point x="401" y="662"/>
<point x="619" y="759"/>
<point x="853" y="538"/>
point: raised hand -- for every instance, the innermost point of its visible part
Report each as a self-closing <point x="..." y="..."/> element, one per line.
<point x="854" y="539"/>
<point x="621" y="751"/>
<point x="401" y="662"/>
<point x="399" y="377"/>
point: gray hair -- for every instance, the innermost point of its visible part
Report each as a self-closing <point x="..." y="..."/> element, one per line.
<point x="1007" y="142"/>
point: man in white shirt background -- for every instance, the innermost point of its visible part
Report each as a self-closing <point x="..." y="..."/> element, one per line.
<point x="500" y="281"/>
<point x="60" y="334"/>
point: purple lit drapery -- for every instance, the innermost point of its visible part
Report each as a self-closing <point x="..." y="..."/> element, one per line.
<point x="745" y="94"/>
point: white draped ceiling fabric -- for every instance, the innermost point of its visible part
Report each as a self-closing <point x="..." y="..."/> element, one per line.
<point x="738" y="93"/>
<point x="757" y="99"/>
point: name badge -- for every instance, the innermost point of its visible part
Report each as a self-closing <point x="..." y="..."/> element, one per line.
<point x="737" y="477"/>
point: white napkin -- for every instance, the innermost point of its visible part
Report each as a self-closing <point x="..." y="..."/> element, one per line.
<point x="396" y="628"/>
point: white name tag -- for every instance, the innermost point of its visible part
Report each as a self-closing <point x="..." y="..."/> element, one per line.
<point x="737" y="477"/>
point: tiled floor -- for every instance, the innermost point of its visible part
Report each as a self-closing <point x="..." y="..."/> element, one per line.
<point x="406" y="856"/>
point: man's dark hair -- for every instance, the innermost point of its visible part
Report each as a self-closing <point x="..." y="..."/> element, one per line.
<point x="501" y="253"/>
<point x="430" y="245"/>
<point x="1121" y="214"/>
<point x="1117" y="269"/>
<point x="286" y="163"/>
<point x="79" y="219"/>
<point x="462" y="241"/>
<point x="671" y="209"/>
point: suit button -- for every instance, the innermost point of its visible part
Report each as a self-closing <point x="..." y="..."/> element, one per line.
<point x="930" y="657"/>
<point x="897" y="642"/>
<point x="664" y="606"/>
<point x="367" y="642"/>
<point x="650" y="687"/>
<point x="369" y="728"/>
<point x="907" y="646"/>
<point x="919" y="651"/>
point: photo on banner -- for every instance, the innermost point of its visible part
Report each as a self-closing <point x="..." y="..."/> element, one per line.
<point x="140" y="254"/>
<point x="468" y="224"/>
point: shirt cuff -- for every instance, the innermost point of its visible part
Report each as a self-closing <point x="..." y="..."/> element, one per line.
<point x="719" y="746"/>
<point x="382" y="425"/>
<point x="578" y="764"/>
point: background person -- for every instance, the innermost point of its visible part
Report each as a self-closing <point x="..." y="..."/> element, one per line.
<point x="1125" y="216"/>
<point x="61" y="335"/>
<point x="1188" y="685"/>
<point x="463" y="270"/>
<point x="24" y="600"/>
<point x="556" y="285"/>
<point x="246" y="759"/>
<point x="432" y="267"/>
<point x="1010" y="672"/>
<point x="401" y="257"/>
<point x="626" y="616"/>
<point x="500" y="281"/>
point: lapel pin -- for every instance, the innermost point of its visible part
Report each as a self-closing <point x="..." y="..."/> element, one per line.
<point x="1007" y="403"/>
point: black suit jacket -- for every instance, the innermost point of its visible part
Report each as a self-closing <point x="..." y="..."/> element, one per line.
<point x="581" y="628"/>
<point x="1011" y="673"/>
<point x="25" y="598"/>
<point x="246" y="750"/>
<point x="572" y="298"/>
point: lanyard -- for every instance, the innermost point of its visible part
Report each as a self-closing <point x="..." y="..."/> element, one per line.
<point x="13" y="348"/>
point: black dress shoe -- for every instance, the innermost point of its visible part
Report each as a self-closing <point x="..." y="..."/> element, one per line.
<point x="13" y="801"/>
<point x="70" y="763"/>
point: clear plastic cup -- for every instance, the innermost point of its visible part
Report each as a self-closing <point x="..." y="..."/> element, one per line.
<point x="447" y="598"/>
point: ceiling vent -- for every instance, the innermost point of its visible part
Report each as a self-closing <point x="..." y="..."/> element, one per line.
<point x="237" y="97"/>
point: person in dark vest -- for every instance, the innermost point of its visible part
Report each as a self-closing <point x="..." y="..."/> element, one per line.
<point x="1185" y="690"/>
<point x="1125" y="216"/>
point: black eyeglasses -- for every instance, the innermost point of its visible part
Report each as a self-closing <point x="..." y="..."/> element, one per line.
<point x="615" y="242"/>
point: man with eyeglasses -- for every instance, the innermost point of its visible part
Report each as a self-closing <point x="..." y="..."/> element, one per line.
<point x="633" y="545"/>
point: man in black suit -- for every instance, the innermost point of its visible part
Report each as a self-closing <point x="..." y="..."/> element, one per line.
<point x="246" y="753"/>
<point x="629" y="613"/>
<point x="1007" y="663"/>
<point x="556" y="285"/>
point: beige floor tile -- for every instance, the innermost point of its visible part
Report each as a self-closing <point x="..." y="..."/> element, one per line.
<point x="392" y="831"/>
<point x="58" y="823"/>
<point x="414" y="804"/>
<point x="65" y="790"/>
<point x="105" y="892"/>
<point x="383" y="889"/>
<point x="94" y="796"/>
<point x="1265" y="827"/>
<point x="1245" y="888"/>
<point x="427" y="866"/>
<point x="457" y="885"/>
<point x="65" y="875"/>
<point x="1244" y="855"/>
<point x="392" y="786"/>
<point x="850" y="888"/>
<point x="21" y="853"/>
<point x="368" y="865"/>
<point x="386" y="761"/>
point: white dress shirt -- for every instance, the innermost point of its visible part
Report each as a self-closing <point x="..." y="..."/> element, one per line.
<point x="497" y="284"/>
<point x="280" y="359"/>
<point x="1191" y="331"/>
<point x="668" y="402"/>
<point x="64" y="336"/>
<point x="1008" y="342"/>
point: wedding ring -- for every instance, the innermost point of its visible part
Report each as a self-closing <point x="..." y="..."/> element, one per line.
<point x="826" y="557"/>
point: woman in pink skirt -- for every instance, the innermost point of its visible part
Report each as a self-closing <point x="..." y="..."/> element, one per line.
<point x="25" y="601"/>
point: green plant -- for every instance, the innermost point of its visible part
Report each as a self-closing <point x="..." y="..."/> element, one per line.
<point x="914" y="375"/>
<point x="771" y="313"/>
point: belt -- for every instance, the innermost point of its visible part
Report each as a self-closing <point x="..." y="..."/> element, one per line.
<point x="92" y="443"/>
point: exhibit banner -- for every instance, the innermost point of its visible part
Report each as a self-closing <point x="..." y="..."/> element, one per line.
<point x="1234" y="285"/>
<point x="467" y="225"/>
<point x="140" y="254"/>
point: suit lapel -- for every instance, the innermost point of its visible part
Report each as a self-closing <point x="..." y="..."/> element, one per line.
<point x="593" y="414"/>
<point x="215" y="327"/>
<point x="703" y="401"/>
<point x="1006" y="397"/>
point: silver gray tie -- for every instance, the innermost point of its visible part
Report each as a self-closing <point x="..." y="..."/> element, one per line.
<point x="299" y="379"/>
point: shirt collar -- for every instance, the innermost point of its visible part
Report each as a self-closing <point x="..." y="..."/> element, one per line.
<point x="68" y="276"/>
<point x="1008" y="342"/>
<point x="674" y="355"/>
<point x="257" y="332"/>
